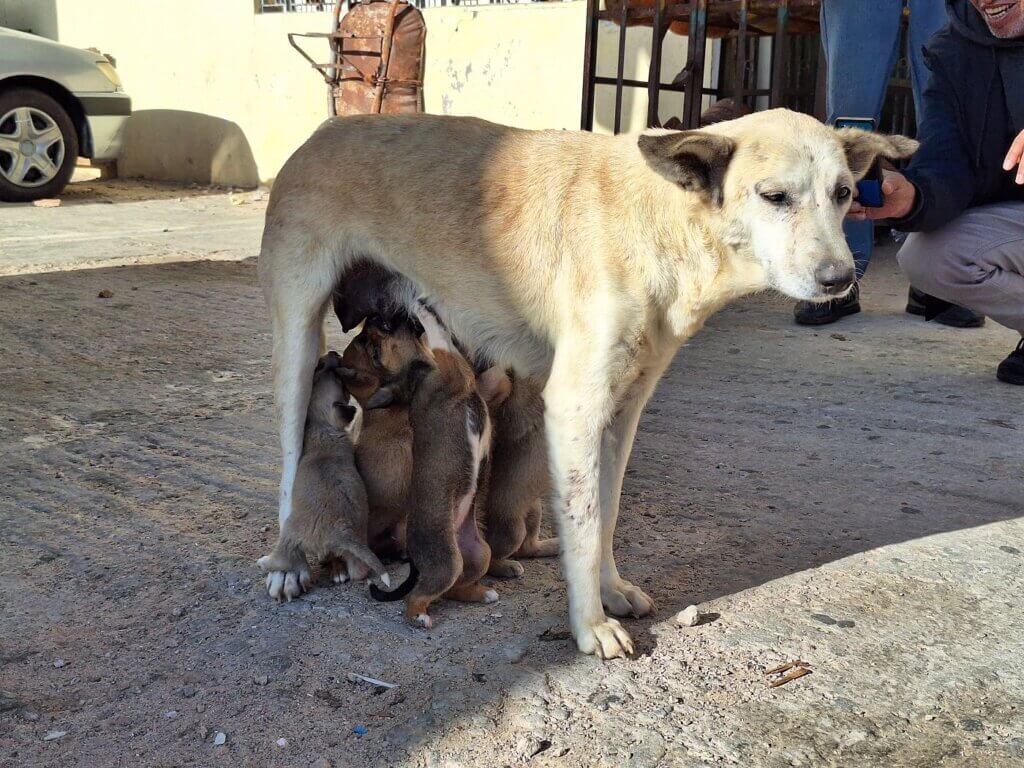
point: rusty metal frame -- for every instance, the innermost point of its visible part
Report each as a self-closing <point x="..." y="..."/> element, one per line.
<point x="689" y="82"/>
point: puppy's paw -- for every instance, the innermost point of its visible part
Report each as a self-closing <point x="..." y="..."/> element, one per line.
<point x="421" y="620"/>
<point x="505" y="569"/>
<point x="605" y="639"/>
<point x="286" y="585"/>
<point x="538" y="548"/>
<point x="285" y="579"/>
<point x="490" y="596"/>
<point x="623" y="599"/>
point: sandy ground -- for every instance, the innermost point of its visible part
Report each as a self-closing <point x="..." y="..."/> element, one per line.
<point x="850" y="496"/>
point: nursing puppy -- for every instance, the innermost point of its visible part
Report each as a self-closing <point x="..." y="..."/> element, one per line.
<point x="451" y="444"/>
<point x="519" y="475"/>
<point x="384" y="446"/>
<point x="328" y="520"/>
<point x="583" y="260"/>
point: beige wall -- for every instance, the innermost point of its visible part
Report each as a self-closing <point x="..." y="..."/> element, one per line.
<point x="220" y="96"/>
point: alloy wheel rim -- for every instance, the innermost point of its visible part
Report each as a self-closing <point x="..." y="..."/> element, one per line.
<point x="31" y="147"/>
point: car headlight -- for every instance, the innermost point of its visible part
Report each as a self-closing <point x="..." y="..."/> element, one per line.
<point x="110" y="73"/>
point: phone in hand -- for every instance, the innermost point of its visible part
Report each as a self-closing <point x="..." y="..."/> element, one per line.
<point x="869" y="189"/>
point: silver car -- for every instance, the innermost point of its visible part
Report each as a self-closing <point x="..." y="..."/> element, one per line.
<point x="57" y="103"/>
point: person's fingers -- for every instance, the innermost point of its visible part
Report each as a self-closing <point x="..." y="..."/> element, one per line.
<point x="1015" y="154"/>
<point x="853" y="215"/>
<point x="1020" y="173"/>
<point x="888" y="187"/>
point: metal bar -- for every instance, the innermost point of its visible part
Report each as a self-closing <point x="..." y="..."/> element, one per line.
<point x="779" y="53"/>
<point x="589" y="67"/>
<point x="621" y="66"/>
<point x="680" y="88"/>
<point x="699" y="36"/>
<point x="741" y="56"/>
<point x="654" y="75"/>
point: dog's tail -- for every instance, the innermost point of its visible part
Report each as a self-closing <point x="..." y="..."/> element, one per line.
<point x="398" y="592"/>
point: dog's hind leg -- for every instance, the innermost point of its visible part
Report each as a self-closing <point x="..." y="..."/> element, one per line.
<point x="577" y="401"/>
<point x="533" y="545"/>
<point x="617" y="595"/>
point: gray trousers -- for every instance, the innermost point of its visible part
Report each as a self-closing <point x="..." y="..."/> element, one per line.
<point x="976" y="261"/>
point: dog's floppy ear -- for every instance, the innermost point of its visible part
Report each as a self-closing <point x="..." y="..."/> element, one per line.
<point x="863" y="147"/>
<point x="695" y="160"/>
<point x="384" y="397"/>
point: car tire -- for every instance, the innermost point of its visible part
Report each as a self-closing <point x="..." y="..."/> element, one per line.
<point x="30" y="117"/>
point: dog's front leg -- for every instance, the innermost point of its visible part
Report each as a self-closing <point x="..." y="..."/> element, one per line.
<point x="577" y="405"/>
<point x="619" y="596"/>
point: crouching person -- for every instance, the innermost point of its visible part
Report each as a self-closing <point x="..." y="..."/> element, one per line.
<point x="962" y="196"/>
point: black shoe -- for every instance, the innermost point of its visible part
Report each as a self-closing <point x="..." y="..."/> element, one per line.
<point x="932" y="308"/>
<point x="1011" y="370"/>
<point x="809" y="313"/>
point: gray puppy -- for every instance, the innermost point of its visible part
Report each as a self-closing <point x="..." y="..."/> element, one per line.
<point x="329" y="512"/>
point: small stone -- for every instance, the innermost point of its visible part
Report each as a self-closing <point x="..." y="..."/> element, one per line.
<point x="29" y="715"/>
<point x="170" y="714"/>
<point x="204" y="732"/>
<point x="188" y="691"/>
<point x="47" y="202"/>
<point x="59" y="663"/>
<point x="106" y="293"/>
<point x="220" y="739"/>
<point x="54" y="735"/>
<point x="282" y="742"/>
<point x="261" y="679"/>
<point x="688" y="617"/>
<point x="322" y="762"/>
<point x="178" y="612"/>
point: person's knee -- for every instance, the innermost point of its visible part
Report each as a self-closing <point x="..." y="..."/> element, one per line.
<point x="917" y="259"/>
<point x="935" y="264"/>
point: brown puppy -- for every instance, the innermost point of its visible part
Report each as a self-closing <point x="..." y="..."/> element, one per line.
<point x="384" y="445"/>
<point x="328" y="522"/>
<point x="519" y="476"/>
<point x="451" y="445"/>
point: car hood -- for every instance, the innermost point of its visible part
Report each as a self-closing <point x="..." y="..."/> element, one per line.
<point x="22" y="53"/>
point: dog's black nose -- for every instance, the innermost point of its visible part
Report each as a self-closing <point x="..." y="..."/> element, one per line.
<point x="833" y="277"/>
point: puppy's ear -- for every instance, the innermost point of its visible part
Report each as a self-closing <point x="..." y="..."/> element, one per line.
<point x="384" y="397"/>
<point x="344" y="412"/>
<point x="695" y="160"/>
<point x="863" y="147"/>
<point x="353" y="377"/>
<point x="494" y="386"/>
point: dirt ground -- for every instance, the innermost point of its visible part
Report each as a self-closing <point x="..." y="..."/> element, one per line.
<point x="850" y="496"/>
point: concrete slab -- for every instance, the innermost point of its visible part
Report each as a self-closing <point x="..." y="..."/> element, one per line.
<point x="117" y="222"/>
<point x="848" y="496"/>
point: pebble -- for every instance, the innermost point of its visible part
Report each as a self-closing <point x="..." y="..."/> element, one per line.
<point x="188" y="691"/>
<point x="282" y="742"/>
<point x="688" y="617"/>
<point x="170" y="714"/>
<point x="261" y="679"/>
<point x="54" y="735"/>
<point x="59" y="663"/>
<point x="106" y="293"/>
<point x="220" y="739"/>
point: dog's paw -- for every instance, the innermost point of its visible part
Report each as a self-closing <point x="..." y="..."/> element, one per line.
<point x="490" y="596"/>
<point x="506" y="569"/>
<point x="623" y="599"/>
<point x="605" y="639"/>
<point x="538" y="548"/>
<point x="285" y="584"/>
<point x="421" y="620"/>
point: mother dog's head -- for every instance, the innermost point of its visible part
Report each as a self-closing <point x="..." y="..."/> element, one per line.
<point x="781" y="182"/>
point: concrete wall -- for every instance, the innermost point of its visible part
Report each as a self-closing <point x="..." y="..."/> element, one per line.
<point x="220" y="96"/>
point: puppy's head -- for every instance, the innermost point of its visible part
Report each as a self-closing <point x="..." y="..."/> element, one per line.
<point x="400" y="388"/>
<point x="328" y="399"/>
<point x="380" y="353"/>
<point x="781" y="183"/>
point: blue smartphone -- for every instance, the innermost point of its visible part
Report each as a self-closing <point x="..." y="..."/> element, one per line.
<point x="869" y="189"/>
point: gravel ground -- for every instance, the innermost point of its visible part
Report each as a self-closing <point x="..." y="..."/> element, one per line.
<point x="849" y="496"/>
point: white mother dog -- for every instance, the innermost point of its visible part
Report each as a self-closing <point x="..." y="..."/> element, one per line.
<point x="581" y="258"/>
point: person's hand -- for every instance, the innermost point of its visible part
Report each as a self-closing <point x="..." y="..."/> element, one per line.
<point x="899" y="199"/>
<point x="1015" y="157"/>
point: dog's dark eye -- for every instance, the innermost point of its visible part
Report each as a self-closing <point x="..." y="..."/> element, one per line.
<point x="776" y="198"/>
<point x="842" y="193"/>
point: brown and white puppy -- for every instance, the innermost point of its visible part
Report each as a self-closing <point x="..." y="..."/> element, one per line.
<point x="519" y="478"/>
<point x="328" y="521"/>
<point x="384" y="446"/>
<point x="451" y="445"/>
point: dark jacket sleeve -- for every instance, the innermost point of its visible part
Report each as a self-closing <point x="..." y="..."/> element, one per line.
<point x="942" y="169"/>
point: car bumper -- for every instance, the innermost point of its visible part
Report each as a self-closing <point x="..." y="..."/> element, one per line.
<point x="106" y="115"/>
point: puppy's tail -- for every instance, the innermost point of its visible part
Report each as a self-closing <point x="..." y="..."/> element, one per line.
<point x="365" y="555"/>
<point x="398" y="592"/>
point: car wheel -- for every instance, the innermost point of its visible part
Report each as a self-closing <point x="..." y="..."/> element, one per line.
<point x="38" y="146"/>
